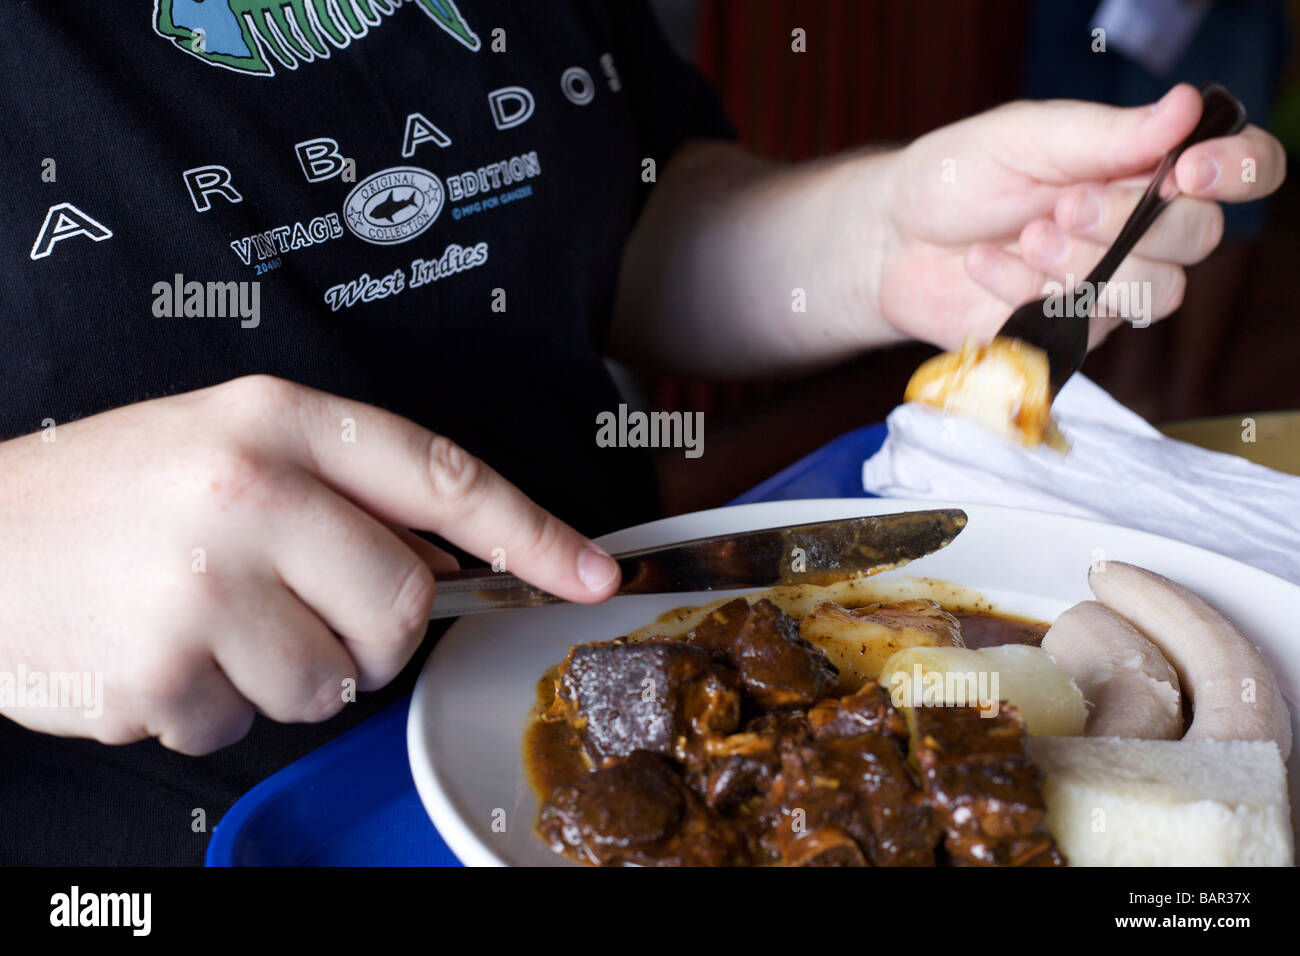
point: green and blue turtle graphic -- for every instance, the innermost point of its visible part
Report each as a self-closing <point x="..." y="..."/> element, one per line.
<point x="248" y="35"/>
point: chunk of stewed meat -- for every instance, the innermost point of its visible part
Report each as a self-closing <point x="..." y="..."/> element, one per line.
<point x="825" y="846"/>
<point x="718" y="630"/>
<point x="869" y="711"/>
<point x="661" y="696"/>
<point x="984" y="790"/>
<point x="636" y="810"/>
<point x="783" y="723"/>
<point x="727" y="783"/>
<point x="739" y="768"/>
<point x="779" y="668"/>
<point x="858" y="785"/>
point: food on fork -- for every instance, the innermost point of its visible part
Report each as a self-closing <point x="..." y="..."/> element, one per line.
<point x="1004" y="386"/>
<point x="1131" y="690"/>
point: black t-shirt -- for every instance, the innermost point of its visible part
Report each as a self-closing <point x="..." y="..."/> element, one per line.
<point x="420" y="205"/>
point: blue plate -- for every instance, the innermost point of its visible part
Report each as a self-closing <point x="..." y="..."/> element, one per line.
<point x="352" y="802"/>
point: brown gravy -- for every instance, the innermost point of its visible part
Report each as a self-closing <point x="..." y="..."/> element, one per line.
<point x="990" y="630"/>
<point x="552" y="752"/>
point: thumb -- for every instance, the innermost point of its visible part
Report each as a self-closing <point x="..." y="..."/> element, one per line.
<point x="1074" y="141"/>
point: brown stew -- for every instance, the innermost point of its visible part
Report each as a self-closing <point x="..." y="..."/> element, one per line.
<point x="728" y="746"/>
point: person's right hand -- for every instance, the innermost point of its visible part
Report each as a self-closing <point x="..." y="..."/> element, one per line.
<point x="228" y="550"/>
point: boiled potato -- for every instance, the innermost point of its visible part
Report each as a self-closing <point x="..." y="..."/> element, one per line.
<point x="1019" y="674"/>
<point x="859" y="641"/>
<point x="1004" y="385"/>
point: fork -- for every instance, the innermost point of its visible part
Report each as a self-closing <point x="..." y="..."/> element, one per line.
<point x="1065" y="340"/>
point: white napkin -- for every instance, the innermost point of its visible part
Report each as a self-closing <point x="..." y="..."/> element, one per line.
<point x="1119" y="469"/>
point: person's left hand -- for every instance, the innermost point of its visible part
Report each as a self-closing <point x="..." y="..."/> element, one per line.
<point x="986" y="211"/>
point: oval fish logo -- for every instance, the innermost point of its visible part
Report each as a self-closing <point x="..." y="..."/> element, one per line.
<point x="394" y="205"/>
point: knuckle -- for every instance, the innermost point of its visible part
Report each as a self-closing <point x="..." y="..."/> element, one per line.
<point x="1012" y="108"/>
<point x="178" y="737"/>
<point x="231" y="727"/>
<point x="1211" y="233"/>
<point x="118" y="733"/>
<point x="202" y="595"/>
<point x="163" y="684"/>
<point x="181" y="594"/>
<point x="1174" y="289"/>
<point x="413" y="601"/>
<point x="233" y="467"/>
<point x="257" y="394"/>
<point x="455" y="474"/>
<point x="327" y="701"/>
<point x="196" y="738"/>
<point x="376" y="666"/>
<point x="541" y="533"/>
<point x="310" y="691"/>
<point x="235" y="473"/>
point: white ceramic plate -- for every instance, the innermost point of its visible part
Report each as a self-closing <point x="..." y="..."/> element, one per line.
<point x="470" y="709"/>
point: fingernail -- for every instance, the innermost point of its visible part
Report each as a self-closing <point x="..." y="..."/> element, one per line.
<point x="596" y="568"/>
<point x="1087" y="213"/>
<point x="1051" y="245"/>
<point x="1207" y="173"/>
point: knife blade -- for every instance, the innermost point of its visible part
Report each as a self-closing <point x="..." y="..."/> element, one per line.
<point x="814" y="553"/>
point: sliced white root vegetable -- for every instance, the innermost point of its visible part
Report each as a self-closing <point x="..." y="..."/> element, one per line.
<point x="1132" y="691"/>
<point x="1233" y="693"/>
<point x="1021" y="675"/>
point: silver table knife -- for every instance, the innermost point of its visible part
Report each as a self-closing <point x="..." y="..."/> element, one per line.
<point x="815" y="553"/>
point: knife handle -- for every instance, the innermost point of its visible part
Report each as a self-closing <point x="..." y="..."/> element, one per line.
<point x="482" y="589"/>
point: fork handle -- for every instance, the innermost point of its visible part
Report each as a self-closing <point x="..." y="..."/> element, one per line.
<point x="1222" y="114"/>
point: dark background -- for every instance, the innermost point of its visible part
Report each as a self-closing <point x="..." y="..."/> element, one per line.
<point x="887" y="71"/>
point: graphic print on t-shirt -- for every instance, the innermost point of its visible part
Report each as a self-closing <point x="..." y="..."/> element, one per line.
<point x="394" y="205"/>
<point x="244" y="35"/>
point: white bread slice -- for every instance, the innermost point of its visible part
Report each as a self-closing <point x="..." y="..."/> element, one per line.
<point x="1125" y="802"/>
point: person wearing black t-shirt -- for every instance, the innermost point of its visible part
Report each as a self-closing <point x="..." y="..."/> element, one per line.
<point x="284" y="283"/>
